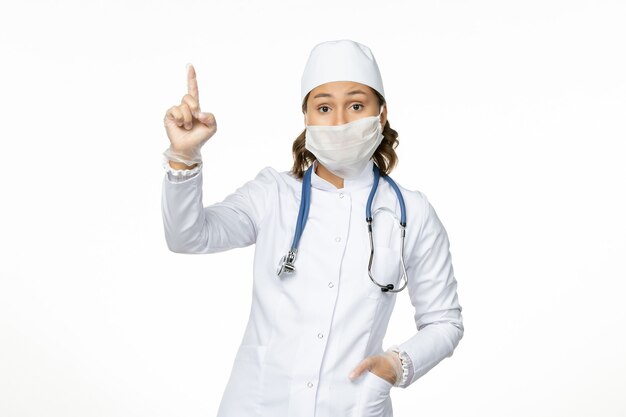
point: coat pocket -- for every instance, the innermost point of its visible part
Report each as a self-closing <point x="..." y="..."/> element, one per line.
<point x="386" y="269"/>
<point x="241" y="396"/>
<point x="374" y="399"/>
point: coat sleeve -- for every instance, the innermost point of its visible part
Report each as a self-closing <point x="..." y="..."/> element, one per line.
<point x="432" y="290"/>
<point x="231" y="223"/>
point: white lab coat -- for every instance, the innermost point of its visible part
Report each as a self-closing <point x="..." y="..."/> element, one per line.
<point x="308" y="330"/>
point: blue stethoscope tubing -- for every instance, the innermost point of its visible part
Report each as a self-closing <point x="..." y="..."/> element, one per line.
<point x="286" y="264"/>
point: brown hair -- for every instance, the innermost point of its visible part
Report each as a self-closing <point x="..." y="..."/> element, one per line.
<point x="385" y="156"/>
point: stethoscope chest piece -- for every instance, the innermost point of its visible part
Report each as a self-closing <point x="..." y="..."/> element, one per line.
<point x="286" y="264"/>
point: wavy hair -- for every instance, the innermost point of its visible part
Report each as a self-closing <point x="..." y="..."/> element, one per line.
<point x="384" y="157"/>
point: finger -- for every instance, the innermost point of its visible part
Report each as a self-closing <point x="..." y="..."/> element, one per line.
<point x="176" y="115"/>
<point x="186" y="115"/>
<point x="364" y="365"/>
<point x="192" y="82"/>
<point x="192" y="103"/>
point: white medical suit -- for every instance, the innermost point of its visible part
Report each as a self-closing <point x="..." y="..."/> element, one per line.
<point x="308" y="330"/>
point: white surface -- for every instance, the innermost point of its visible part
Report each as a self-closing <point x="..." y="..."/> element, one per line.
<point x="511" y="119"/>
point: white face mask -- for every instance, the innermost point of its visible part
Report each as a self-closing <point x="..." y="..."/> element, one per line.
<point x="345" y="149"/>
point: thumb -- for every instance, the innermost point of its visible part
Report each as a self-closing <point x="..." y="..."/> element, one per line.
<point x="205" y="118"/>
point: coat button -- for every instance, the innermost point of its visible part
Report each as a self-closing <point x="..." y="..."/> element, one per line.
<point x="330" y="285"/>
<point x="340" y="195"/>
<point x="309" y="384"/>
<point x="337" y="239"/>
<point x="320" y="335"/>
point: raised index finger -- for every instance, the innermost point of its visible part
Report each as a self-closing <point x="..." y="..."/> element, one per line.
<point x="192" y="82"/>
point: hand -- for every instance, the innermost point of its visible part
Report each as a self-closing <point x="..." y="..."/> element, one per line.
<point x="187" y="127"/>
<point x="387" y="366"/>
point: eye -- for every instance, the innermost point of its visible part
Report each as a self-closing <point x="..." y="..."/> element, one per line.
<point x="323" y="107"/>
<point x="357" y="105"/>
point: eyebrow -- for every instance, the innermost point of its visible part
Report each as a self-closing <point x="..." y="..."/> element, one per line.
<point x="350" y="93"/>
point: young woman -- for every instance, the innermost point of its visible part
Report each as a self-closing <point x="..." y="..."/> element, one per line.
<point x="336" y="239"/>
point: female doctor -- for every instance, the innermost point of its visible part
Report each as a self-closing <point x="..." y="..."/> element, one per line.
<point x="336" y="240"/>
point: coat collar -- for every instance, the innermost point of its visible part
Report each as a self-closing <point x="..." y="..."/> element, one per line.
<point x="364" y="179"/>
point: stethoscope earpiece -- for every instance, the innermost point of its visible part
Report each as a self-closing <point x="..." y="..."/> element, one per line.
<point x="386" y="288"/>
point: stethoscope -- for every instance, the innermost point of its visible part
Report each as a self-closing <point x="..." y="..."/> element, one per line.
<point x="286" y="264"/>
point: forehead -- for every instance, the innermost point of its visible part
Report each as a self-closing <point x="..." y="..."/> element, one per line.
<point x="338" y="89"/>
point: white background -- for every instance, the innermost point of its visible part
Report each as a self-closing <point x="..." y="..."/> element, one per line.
<point x="511" y="120"/>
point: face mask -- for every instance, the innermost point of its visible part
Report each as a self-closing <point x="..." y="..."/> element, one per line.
<point x="345" y="149"/>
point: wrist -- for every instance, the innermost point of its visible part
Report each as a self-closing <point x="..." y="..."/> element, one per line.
<point x="186" y="159"/>
<point x="402" y="367"/>
<point x="180" y="165"/>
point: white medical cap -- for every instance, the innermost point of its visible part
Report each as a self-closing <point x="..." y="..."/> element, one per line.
<point x="340" y="60"/>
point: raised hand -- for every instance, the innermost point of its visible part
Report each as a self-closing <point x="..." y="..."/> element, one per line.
<point x="187" y="127"/>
